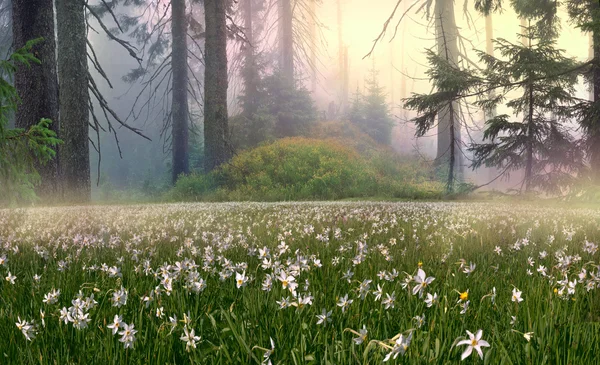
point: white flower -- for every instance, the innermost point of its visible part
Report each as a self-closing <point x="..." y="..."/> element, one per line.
<point x="389" y="301"/>
<point x="27" y="328"/>
<point x="344" y="303"/>
<point x="430" y="300"/>
<point x="474" y="342"/>
<point x="119" y="297"/>
<point x="400" y="347"/>
<point x="117" y="323"/>
<point x="469" y="269"/>
<point x="51" y="297"/>
<point x="10" y="278"/>
<point x="422" y="282"/>
<point x="189" y="338"/>
<point x="240" y="279"/>
<point x="128" y="335"/>
<point x="378" y="292"/>
<point x="362" y="336"/>
<point x="324" y="317"/>
<point x="516" y="295"/>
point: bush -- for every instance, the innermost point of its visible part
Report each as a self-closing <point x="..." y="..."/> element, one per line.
<point x="308" y="169"/>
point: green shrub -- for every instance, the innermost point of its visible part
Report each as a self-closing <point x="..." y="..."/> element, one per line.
<point x="309" y="169"/>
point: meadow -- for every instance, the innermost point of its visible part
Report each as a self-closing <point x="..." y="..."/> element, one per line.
<point x="300" y="283"/>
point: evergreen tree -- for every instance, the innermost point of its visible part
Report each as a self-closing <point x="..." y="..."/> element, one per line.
<point x="537" y="140"/>
<point x="451" y="85"/>
<point x="21" y="148"/>
<point x="371" y="113"/>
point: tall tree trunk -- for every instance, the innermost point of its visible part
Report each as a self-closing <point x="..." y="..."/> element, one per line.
<point x="313" y="45"/>
<point x="449" y="131"/>
<point x="179" y="106"/>
<point x="250" y="71"/>
<point x="594" y="132"/>
<point x="286" y="45"/>
<point x="489" y="48"/>
<point x="530" y="137"/>
<point x="37" y="85"/>
<point x="73" y="99"/>
<point x="342" y="49"/>
<point x="216" y="131"/>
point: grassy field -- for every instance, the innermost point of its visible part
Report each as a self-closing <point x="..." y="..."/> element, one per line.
<point x="300" y="283"/>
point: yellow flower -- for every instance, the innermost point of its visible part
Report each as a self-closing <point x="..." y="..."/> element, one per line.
<point x="464" y="295"/>
<point x="420" y="264"/>
<point x="555" y="291"/>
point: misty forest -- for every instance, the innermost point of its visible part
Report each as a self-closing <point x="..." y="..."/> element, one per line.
<point x="299" y="181"/>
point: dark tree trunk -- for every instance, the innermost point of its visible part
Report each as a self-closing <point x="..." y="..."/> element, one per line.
<point x="594" y="135"/>
<point x="287" y="41"/>
<point x="179" y="109"/>
<point x="530" y="138"/>
<point x="250" y="70"/>
<point x="313" y="46"/>
<point x="216" y="131"/>
<point x="73" y="97"/>
<point x="37" y="85"/>
<point x="448" y="139"/>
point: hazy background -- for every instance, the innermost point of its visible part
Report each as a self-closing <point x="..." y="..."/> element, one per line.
<point x="401" y="64"/>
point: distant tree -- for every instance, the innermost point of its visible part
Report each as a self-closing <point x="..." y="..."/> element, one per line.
<point x="356" y="112"/>
<point x="179" y="108"/>
<point x="37" y="83"/>
<point x="449" y="130"/>
<point x="584" y="14"/>
<point x="451" y="84"/>
<point x="74" y="113"/>
<point x="217" y="147"/>
<point x="283" y="111"/>
<point x="21" y="149"/>
<point x="292" y="106"/>
<point x="371" y="113"/>
<point x="538" y="143"/>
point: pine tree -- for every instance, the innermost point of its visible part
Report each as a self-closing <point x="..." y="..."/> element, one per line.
<point x="536" y="140"/>
<point x="377" y="122"/>
<point x="451" y="84"/>
<point x="21" y="149"/>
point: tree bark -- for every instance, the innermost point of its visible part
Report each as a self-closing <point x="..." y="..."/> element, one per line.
<point x="37" y="84"/>
<point x="73" y="99"/>
<point x="216" y="131"/>
<point x="250" y="74"/>
<point x="313" y="46"/>
<point x="448" y="132"/>
<point x="594" y="135"/>
<point x="179" y="105"/>
<point x="287" y="41"/>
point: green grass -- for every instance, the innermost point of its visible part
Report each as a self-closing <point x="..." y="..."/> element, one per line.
<point x="236" y="324"/>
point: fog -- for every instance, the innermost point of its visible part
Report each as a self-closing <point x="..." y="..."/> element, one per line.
<point x="398" y="57"/>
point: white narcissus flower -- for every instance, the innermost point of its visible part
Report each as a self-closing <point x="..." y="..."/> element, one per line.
<point x="431" y="299"/>
<point x="324" y="317"/>
<point x="189" y="338"/>
<point x="400" y="347"/>
<point x="10" y="278"/>
<point x="344" y="303"/>
<point x="378" y="292"/>
<point x="117" y="323"/>
<point x="240" y="279"/>
<point x="474" y="342"/>
<point x="422" y="281"/>
<point x="128" y="335"/>
<point x="516" y="295"/>
<point x="362" y="335"/>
